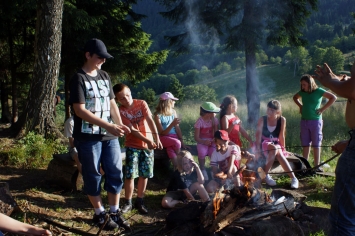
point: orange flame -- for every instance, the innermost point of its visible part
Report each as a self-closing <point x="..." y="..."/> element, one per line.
<point x="216" y="204"/>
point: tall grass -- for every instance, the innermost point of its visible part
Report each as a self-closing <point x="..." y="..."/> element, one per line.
<point x="334" y="128"/>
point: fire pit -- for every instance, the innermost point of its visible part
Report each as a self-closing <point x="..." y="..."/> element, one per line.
<point x="243" y="210"/>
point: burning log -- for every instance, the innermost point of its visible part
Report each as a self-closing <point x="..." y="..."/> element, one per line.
<point x="239" y="205"/>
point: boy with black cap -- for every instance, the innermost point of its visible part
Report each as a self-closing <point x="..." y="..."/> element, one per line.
<point x="95" y="135"/>
<point x="224" y="161"/>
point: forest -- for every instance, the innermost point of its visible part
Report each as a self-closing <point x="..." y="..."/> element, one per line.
<point x="144" y="38"/>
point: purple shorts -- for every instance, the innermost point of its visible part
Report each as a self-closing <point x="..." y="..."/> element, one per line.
<point x="204" y="150"/>
<point x="311" y="133"/>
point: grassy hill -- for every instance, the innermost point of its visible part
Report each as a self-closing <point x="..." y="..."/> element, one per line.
<point x="275" y="82"/>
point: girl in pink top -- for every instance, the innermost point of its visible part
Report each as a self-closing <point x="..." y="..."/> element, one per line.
<point x="205" y="127"/>
<point x="231" y="123"/>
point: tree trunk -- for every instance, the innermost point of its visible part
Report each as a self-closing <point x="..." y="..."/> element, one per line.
<point x="252" y="87"/>
<point x="5" y="109"/>
<point x="38" y="114"/>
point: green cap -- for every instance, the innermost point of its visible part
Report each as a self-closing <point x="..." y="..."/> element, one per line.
<point x="210" y="107"/>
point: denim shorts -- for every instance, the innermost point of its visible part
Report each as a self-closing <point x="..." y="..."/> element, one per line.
<point x="92" y="154"/>
<point x="342" y="212"/>
<point x="311" y="133"/>
<point x="139" y="163"/>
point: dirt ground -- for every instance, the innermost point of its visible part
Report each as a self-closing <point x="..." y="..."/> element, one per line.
<point x="70" y="213"/>
<point x="40" y="201"/>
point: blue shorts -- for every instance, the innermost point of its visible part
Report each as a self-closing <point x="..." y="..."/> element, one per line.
<point x="92" y="154"/>
<point x="311" y="133"/>
<point x="342" y="211"/>
<point x="139" y="163"/>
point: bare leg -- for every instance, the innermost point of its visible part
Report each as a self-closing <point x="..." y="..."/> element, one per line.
<point x="306" y="152"/>
<point x="270" y="157"/>
<point x="168" y="202"/>
<point x="202" y="163"/>
<point x="128" y="187"/>
<point x="142" y="185"/>
<point x="316" y="153"/>
<point x="196" y="187"/>
<point x="284" y="163"/>
<point x="96" y="201"/>
<point x="113" y="199"/>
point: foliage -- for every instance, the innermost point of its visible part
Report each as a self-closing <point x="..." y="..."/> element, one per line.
<point x="118" y="26"/>
<point x="335" y="59"/>
<point x="148" y="95"/>
<point x="177" y="90"/>
<point x="200" y="92"/>
<point x="33" y="151"/>
<point x="221" y="68"/>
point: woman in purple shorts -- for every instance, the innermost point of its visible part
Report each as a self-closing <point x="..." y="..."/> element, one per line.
<point x="311" y="121"/>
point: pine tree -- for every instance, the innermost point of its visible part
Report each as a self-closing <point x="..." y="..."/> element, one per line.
<point x="243" y="25"/>
<point x="177" y="90"/>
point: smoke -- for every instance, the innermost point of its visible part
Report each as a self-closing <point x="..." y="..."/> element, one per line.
<point x="200" y="34"/>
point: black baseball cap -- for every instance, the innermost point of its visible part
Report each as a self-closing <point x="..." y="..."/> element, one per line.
<point x="98" y="47"/>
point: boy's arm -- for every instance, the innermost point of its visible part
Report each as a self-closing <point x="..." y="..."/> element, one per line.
<point x="115" y="113"/>
<point x="83" y="113"/>
<point x="154" y="130"/>
<point x="231" y="165"/>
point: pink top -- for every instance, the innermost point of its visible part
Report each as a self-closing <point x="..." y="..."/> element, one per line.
<point x="206" y="129"/>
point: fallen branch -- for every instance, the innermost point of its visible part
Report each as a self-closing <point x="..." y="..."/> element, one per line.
<point x="69" y="229"/>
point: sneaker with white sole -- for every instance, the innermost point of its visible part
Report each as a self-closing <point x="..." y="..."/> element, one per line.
<point x="294" y="183"/>
<point x="269" y="180"/>
<point x="205" y="175"/>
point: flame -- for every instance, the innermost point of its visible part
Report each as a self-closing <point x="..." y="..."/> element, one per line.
<point x="246" y="187"/>
<point x="216" y="204"/>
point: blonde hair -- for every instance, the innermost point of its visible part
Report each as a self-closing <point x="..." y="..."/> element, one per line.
<point x="164" y="107"/>
<point x="312" y="84"/>
<point x="180" y="158"/>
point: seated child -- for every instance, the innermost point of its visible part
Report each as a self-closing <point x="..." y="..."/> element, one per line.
<point x="224" y="159"/>
<point x="205" y="127"/>
<point x="168" y="127"/>
<point x="185" y="182"/>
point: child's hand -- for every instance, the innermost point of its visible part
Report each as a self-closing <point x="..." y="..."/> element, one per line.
<point x="194" y="164"/>
<point x="151" y="145"/>
<point x="207" y="143"/>
<point x="236" y="122"/>
<point x="176" y="121"/>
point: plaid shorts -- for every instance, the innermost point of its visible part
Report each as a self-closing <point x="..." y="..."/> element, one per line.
<point x="139" y="163"/>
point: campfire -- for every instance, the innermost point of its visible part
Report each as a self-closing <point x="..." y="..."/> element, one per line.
<point x="241" y="204"/>
<point x="238" y="206"/>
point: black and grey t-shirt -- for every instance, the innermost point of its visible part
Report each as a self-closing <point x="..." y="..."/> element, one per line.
<point x="96" y="93"/>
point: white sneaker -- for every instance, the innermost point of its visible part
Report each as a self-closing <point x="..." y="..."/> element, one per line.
<point x="269" y="180"/>
<point x="205" y="175"/>
<point x="294" y="183"/>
